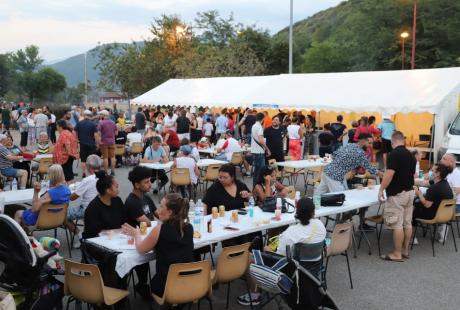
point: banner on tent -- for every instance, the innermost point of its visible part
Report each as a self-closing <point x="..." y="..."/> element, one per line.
<point x="265" y="106"/>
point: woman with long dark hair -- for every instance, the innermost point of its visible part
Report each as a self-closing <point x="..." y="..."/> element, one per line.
<point x="268" y="186"/>
<point x="66" y="149"/>
<point x="172" y="239"/>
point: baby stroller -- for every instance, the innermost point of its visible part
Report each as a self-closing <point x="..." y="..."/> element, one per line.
<point x="298" y="282"/>
<point x="23" y="273"/>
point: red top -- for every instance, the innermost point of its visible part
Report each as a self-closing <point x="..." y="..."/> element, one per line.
<point x="66" y="138"/>
<point x="366" y="129"/>
<point x="173" y="139"/>
<point x="231" y="125"/>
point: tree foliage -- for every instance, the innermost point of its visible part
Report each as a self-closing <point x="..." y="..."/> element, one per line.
<point x="367" y="35"/>
<point x="215" y="46"/>
<point x="21" y="74"/>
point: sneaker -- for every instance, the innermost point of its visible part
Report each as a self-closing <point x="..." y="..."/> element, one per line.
<point x="247" y="174"/>
<point x="244" y="300"/>
<point x="112" y="173"/>
<point x="76" y="241"/>
<point x="443" y="231"/>
<point x="415" y="241"/>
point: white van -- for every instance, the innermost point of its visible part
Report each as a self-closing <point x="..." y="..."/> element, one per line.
<point x="451" y="140"/>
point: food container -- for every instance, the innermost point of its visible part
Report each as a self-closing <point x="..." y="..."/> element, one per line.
<point x="234" y="216"/>
<point x="215" y="212"/>
<point x="143" y="228"/>
<point x="222" y="211"/>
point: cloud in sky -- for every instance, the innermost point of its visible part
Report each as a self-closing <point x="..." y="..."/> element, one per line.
<point x="63" y="28"/>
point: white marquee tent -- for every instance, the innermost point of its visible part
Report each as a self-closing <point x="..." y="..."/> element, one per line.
<point x="435" y="91"/>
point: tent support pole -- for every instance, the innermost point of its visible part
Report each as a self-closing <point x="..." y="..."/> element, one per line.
<point x="431" y="146"/>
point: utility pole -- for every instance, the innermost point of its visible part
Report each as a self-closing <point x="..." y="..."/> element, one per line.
<point x="86" y="84"/>
<point x="414" y="30"/>
<point x="290" y="36"/>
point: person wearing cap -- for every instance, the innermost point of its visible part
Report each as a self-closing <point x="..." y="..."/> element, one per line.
<point x="387" y="127"/>
<point x="107" y="131"/>
<point x="227" y="147"/>
<point x="6" y="163"/>
<point x="86" y="133"/>
<point x="184" y="160"/>
<point x="195" y="154"/>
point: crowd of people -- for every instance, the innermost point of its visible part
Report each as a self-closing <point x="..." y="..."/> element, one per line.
<point x="176" y="134"/>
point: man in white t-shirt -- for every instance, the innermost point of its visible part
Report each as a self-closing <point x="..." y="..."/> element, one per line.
<point x="169" y="121"/>
<point x="86" y="191"/>
<point x="229" y="146"/>
<point x="133" y="137"/>
<point x="258" y="146"/>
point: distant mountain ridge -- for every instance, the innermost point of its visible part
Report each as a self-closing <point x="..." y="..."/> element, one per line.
<point x="73" y="68"/>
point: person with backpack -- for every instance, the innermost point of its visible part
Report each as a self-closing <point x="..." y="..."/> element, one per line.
<point x="66" y="150"/>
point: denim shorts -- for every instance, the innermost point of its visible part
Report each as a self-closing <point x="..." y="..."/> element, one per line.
<point x="29" y="217"/>
<point x="75" y="213"/>
<point x="10" y="172"/>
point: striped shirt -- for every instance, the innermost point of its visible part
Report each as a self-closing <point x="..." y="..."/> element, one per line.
<point x="5" y="162"/>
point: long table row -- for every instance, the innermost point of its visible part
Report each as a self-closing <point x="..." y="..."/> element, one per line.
<point x="129" y="257"/>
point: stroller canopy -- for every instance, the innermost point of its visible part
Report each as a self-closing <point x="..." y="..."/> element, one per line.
<point x="14" y="243"/>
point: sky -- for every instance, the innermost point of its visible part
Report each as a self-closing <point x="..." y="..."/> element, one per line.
<point x="63" y="28"/>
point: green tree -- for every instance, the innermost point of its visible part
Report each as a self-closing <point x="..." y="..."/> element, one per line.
<point x="7" y="74"/>
<point x="324" y="57"/>
<point x="27" y="60"/>
<point x="215" y="30"/>
<point x="43" y="84"/>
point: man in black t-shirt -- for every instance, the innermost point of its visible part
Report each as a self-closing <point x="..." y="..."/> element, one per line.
<point x="140" y="208"/>
<point x="183" y="126"/>
<point x="274" y="139"/>
<point x="140" y="121"/>
<point x="338" y="130"/>
<point x="326" y="140"/>
<point x="248" y="120"/>
<point x="398" y="181"/>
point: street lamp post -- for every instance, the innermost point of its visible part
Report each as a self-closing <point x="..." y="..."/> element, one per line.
<point x="290" y="35"/>
<point x="86" y="81"/>
<point x="403" y="36"/>
<point x="414" y="30"/>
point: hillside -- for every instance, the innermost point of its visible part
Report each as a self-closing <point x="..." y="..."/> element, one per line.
<point x="73" y="68"/>
<point x="361" y="35"/>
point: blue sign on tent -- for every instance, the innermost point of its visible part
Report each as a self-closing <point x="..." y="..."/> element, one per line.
<point x="265" y="106"/>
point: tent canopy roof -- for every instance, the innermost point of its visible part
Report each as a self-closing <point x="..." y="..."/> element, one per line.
<point x="424" y="90"/>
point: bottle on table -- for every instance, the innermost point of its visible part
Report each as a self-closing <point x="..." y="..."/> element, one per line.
<point x="14" y="185"/>
<point x="251" y="206"/>
<point x="199" y="216"/>
<point x="316" y="197"/>
<point x="297" y="198"/>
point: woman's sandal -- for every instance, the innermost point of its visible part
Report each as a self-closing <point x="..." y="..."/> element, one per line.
<point x="388" y="258"/>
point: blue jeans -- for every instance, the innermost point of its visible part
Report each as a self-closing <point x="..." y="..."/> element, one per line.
<point x="258" y="164"/>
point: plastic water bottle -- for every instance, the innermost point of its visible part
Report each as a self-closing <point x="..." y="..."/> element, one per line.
<point x="191" y="213"/>
<point x="14" y="185"/>
<point x="316" y="197"/>
<point x="251" y="206"/>
<point x="200" y="214"/>
<point x="252" y="202"/>
<point x="297" y="198"/>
